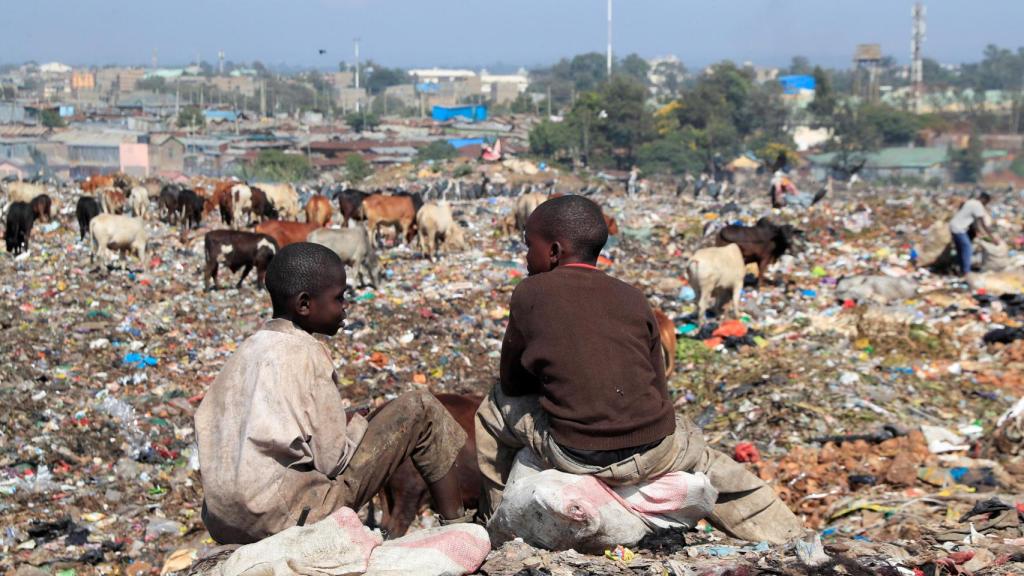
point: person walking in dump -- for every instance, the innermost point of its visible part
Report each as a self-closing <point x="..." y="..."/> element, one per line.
<point x="972" y="213"/>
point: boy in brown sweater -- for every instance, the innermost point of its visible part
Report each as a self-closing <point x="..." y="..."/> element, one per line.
<point x="583" y="383"/>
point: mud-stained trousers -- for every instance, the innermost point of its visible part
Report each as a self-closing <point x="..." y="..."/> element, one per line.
<point x="747" y="508"/>
<point x="414" y="425"/>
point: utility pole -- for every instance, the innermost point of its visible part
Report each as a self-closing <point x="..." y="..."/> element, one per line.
<point x="609" y="39"/>
<point x="916" y="58"/>
<point x="358" y="100"/>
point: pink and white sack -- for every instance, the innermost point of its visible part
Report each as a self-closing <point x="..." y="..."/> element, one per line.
<point x="558" y="511"/>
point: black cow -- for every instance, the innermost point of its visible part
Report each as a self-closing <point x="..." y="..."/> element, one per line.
<point x="86" y="209"/>
<point x="169" y="202"/>
<point x="191" y="206"/>
<point x="19" y="226"/>
<point x="237" y="249"/>
<point x="350" y="202"/>
<point x="41" y="206"/>
<point x="763" y="243"/>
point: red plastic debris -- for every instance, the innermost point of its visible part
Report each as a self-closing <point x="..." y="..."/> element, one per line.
<point x="746" y="452"/>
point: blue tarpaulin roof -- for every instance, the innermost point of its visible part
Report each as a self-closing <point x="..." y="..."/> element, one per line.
<point x="796" y="84"/>
<point x="428" y="87"/>
<point x="227" y="115"/>
<point x="462" y="142"/>
<point x="472" y="113"/>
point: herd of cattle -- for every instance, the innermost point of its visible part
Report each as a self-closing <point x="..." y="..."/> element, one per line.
<point x="263" y="218"/>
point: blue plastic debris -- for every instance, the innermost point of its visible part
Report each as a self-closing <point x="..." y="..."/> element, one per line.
<point x="686" y="294"/>
<point x="139" y="360"/>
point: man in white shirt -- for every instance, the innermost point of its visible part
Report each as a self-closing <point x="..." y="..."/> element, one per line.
<point x="972" y="212"/>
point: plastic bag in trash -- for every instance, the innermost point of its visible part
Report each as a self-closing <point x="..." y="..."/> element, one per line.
<point x="444" y="551"/>
<point x="558" y="511"/>
<point x="338" y="544"/>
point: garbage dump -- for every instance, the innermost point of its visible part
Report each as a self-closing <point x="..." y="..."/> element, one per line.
<point x="885" y="412"/>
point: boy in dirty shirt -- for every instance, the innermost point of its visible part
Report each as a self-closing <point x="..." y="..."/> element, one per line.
<point x="275" y="449"/>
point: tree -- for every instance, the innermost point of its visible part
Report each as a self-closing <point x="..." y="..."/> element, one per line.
<point x="676" y="153"/>
<point x="824" y="103"/>
<point x="629" y="123"/>
<point x="800" y="66"/>
<point x="362" y="121"/>
<point x="1017" y="167"/>
<point x="672" y="74"/>
<point x="276" y="166"/>
<point x="552" y="139"/>
<point x="635" y="67"/>
<point x="436" y="151"/>
<point x="967" y="163"/>
<point x="382" y="77"/>
<point x="51" y="119"/>
<point x="191" y="117"/>
<point x="523" y="104"/>
<point x="153" y="84"/>
<point x="357" y="168"/>
<point x="894" y="127"/>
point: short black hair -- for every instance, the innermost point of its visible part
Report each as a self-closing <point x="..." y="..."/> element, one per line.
<point x="985" y="197"/>
<point x="574" y="220"/>
<point x="300" y="267"/>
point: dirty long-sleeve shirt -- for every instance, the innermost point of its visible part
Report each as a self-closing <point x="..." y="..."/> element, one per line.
<point x="272" y="435"/>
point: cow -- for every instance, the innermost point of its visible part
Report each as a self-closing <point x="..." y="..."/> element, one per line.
<point x="613" y="226"/>
<point x="86" y="209"/>
<point x="285" y="233"/>
<point x="667" y="332"/>
<point x="241" y="205"/>
<point x="42" y="207"/>
<point x="192" y="207"/>
<point x="221" y="197"/>
<point x="169" y="203"/>
<point x="237" y="249"/>
<point x="20" y="191"/>
<point x="405" y="493"/>
<point x="112" y="200"/>
<point x="284" y="198"/>
<point x="716" y="275"/>
<point x="350" y="203"/>
<point x="318" y="210"/>
<point x="117" y="232"/>
<point x="435" y="224"/>
<point x="96" y="182"/>
<point x="261" y="206"/>
<point x="19" y="227"/>
<point x="525" y="205"/>
<point x="398" y="210"/>
<point x="763" y="243"/>
<point x="354" y="247"/>
<point x="138" y="198"/>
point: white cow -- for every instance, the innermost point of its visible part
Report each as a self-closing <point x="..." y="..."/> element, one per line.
<point x="284" y="199"/>
<point x="716" y="275"/>
<point x="138" y="198"/>
<point x="241" y="204"/>
<point x="436" y="224"/>
<point x="525" y="205"/>
<point x="116" y="232"/>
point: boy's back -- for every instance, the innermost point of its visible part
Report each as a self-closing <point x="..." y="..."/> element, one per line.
<point x="589" y="345"/>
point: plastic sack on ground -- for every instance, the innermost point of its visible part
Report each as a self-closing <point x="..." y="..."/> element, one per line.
<point x="935" y="244"/>
<point x="997" y="283"/>
<point x="877" y="288"/>
<point x="558" y="511"/>
<point x="336" y="545"/>
<point x="445" y="551"/>
<point x="995" y="257"/>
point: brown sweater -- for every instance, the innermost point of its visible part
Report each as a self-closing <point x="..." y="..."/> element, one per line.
<point x="589" y="345"/>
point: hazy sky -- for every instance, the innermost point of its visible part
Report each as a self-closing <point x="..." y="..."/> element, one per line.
<point x="479" y="32"/>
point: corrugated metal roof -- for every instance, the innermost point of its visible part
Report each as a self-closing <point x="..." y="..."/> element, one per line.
<point x="893" y="158"/>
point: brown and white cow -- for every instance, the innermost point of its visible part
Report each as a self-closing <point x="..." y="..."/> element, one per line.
<point x="237" y="249"/>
